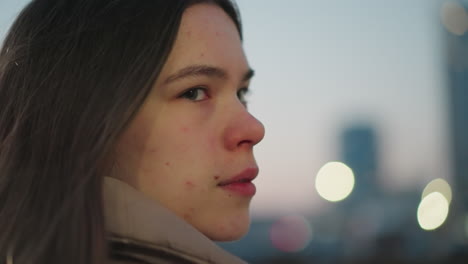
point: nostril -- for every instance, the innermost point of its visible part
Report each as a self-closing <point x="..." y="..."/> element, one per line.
<point x="245" y="142"/>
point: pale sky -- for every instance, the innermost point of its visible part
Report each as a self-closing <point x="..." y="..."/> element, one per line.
<point x="322" y="64"/>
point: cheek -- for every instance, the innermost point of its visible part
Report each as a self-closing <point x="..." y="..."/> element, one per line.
<point x="132" y="151"/>
<point x="189" y="214"/>
<point x="135" y="138"/>
<point x="132" y="141"/>
<point x="212" y="143"/>
<point x="181" y="139"/>
<point x="192" y="138"/>
<point x="141" y="148"/>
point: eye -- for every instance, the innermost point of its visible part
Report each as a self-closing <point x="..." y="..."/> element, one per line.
<point x="241" y="94"/>
<point x="195" y="94"/>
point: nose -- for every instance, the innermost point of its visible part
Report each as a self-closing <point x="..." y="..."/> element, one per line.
<point x="243" y="131"/>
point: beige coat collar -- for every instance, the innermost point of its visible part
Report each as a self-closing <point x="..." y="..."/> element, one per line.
<point x="132" y="215"/>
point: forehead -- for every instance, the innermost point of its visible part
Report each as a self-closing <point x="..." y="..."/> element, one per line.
<point x="207" y="35"/>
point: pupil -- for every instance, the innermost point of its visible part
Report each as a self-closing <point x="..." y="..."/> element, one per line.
<point x="192" y="94"/>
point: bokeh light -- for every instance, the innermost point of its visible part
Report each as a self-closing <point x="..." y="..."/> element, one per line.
<point x="433" y="211"/>
<point x="334" y="181"/>
<point x="291" y="233"/>
<point x="454" y="18"/>
<point x="441" y="186"/>
<point x="466" y="225"/>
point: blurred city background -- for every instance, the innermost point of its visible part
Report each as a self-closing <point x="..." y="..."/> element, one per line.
<point x="365" y="104"/>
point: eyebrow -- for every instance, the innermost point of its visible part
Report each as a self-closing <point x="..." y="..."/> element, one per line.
<point x="204" y="70"/>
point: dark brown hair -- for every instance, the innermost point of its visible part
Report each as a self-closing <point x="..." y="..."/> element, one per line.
<point x="73" y="73"/>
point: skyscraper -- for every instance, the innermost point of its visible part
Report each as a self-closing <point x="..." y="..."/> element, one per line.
<point x="457" y="44"/>
<point x="359" y="152"/>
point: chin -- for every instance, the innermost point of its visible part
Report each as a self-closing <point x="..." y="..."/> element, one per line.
<point x="229" y="231"/>
<point x="229" y="236"/>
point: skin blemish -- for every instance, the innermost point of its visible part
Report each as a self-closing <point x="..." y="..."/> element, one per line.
<point x="190" y="184"/>
<point x="153" y="150"/>
<point x="167" y="164"/>
<point x="184" y="129"/>
<point x="216" y="177"/>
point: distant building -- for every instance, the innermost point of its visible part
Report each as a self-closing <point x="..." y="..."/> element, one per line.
<point x="359" y="152"/>
<point x="458" y="91"/>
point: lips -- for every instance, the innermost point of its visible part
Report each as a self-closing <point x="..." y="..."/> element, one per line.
<point x="241" y="183"/>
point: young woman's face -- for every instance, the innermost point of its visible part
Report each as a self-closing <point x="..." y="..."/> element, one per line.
<point x="193" y="136"/>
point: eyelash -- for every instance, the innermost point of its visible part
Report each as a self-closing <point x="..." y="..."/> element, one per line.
<point x="188" y="94"/>
<point x="241" y="93"/>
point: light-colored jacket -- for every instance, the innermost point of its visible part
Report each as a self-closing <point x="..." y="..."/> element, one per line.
<point x="141" y="231"/>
